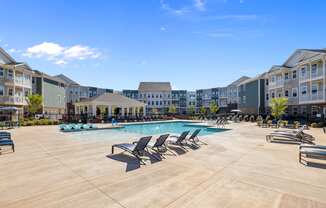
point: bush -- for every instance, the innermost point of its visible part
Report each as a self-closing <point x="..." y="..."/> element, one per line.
<point x="38" y="122"/>
<point x="317" y="125"/>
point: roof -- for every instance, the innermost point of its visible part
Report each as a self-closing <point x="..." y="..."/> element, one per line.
<point x="238" y="81"/>
<point x="42" y="74"/>
<point x="66" y="79"/>
<point x="9" y="59"/>
<point x="154" y="86"/>
<point x="258" y="77"/>
<point x="113" y="99"/>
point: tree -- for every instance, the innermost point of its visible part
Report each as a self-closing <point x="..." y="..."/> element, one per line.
<point x="172" y="109"/>
<point x="202" y="110"/>
<point x="34" y="103"/>
<point x="213" y="107"/>
<point x="154" y="111"/>
<point x="278" y="106"/>
<point x="191" y="110"/>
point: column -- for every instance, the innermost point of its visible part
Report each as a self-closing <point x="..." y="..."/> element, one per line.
<point x="324" y="77"/>
<point x="93" y="110"/>
<point x="110" y="111"/>
<point x="310" y="81"/>
<point x="123" y="111"/>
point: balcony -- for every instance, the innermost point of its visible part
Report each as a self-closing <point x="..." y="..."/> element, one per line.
<point x="13" y="100"/>
<point x="318" y="74"/>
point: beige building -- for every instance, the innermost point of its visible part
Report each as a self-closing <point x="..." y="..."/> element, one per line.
<point x="15" y="82"/>
<point x="109" y="105"/>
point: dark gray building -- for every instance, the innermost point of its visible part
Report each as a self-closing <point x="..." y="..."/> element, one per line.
<point x="179" y="100"/>
<point x="252" y="96"/>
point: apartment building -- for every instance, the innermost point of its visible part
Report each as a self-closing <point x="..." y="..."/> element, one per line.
<point x="251" y="94"/>
<point x="15" y="82"/>
<point x="75" y="92"/>
<point x="179" y="100"/>
<point x="52" y="90"/>
<point x="302" y="80"/>
<point x="191" y="99"/>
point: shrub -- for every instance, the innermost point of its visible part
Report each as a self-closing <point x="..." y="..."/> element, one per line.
<point x="314" y="125"/>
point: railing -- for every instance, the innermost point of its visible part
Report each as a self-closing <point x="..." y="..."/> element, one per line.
<point x="13" y="100"/>
<point x="312" y="97"/>
<point x="319" y="73"/>
<point x="305" y="77"/>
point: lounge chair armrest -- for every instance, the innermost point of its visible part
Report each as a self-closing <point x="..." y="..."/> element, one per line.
<point x="313" y="146"/>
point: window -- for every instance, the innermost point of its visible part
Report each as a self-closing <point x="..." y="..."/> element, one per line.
<point x="314" y="89"/>
<point x="314" y="70"/>
<point x="304" y="90"/>
<point x="243" y="99"/>
<point x="286" y="76"/>
<point x="149" y="102"/>
<point x="266" y="82"/>
<point x="267" y="96"/>
<point x="294" y="74"/>
<point x="286" y="93"/>
<point x="156" y="96"/>
<point x="294" y="92"/>
<point x="10" y="74"/>
<point x="273" y="95"/>
<point x="1" y="72"/>
<point x="10" y="92"/>
<point x="156" y="102"/>
<point x="273" y="79"/>
<point x="303" y="72"/>
<point x="153" y="103"/>
<point x="279" y="94"/>
<point x="2" y="89"/>
<point x="26" y="93"/>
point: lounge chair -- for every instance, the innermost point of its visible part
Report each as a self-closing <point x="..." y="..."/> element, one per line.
<point x="159" y="145"/>
<point x="136" y="148"/>
<point x="5" y="140"/>
<point x="312" y="151"/>
<point x="179" y="140"/>
<point x="297" y="137"/>
<point x="194" y="137"/>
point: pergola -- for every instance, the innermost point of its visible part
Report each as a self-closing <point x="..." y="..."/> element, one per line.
<point x="110" y="104"/>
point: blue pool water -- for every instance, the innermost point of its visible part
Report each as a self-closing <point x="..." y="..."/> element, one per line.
<point x="166" y="127"/>
<point x="137" y="130"/>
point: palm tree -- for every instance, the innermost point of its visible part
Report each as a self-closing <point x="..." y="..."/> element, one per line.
<point x="278" y="106"/>
<point x="213" y="107"/>
<point x="202" y="110"/>
<point x="191" y="110"/>
<point x="34" y="103"/>
<point x="172" y="109"/>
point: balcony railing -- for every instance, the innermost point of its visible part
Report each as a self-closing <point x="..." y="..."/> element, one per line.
<point x="319" y="73"/>
<point x="13" y="100"/>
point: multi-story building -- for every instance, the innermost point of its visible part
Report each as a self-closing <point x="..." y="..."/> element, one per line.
<point x="52" y="90"/>
<point x="15" y="82"/>
<point x="302" y="80"/>
<point x="191" y="99"/>
<point x="156" y="95"/>
<point x="179" y="100"/>
<point x="232" y="92"/>
<point x="252" y="95"/>
<point x="76" y="92"/>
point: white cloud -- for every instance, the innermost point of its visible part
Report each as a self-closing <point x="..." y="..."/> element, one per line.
<point x="235" y="17"/>
<point x="178" y="12"/>
<point x="60" y="54"/>
<point x="163" y="28"/>
<point x="12" y="50"/>
<point x="45" y="49"/>
<point x="200" y="5"/>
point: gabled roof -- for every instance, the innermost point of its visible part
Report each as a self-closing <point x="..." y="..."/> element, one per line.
<point x="66" y="79"/>
<point x="5" y="58"/>
<point x="44" y="75"/>
<point x="238" y="81"/>
<point x="301" y="54"/>
<point x="113" y="99"/>
<point x="155" y="87"/>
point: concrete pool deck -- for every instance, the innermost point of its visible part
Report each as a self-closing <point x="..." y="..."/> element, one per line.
<point x="236" y="169"/>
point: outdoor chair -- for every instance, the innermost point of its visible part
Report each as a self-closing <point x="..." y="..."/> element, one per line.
<point x="5" y="140"/>
<point x="179" y="140"/>
<point x="195" y="139"/>
<point x="297" y="137"/>
<point x="137" y="148"/>
<point x="312" y="151"/>
<point x="159" y="145"/>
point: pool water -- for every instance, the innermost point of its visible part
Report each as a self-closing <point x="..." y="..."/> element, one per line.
<point x="166" y="127"/>
<point x="138" y="130"/>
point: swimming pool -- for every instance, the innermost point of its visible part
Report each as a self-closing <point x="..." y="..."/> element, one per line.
<point x="174" y="127"/>
<point x="138" y="130"/>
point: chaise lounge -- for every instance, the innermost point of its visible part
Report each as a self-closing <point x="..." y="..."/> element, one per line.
<point x="312" y="151"/>
<point x="159" y="145"/>
<point x="137" y="148"/>
<point x="5" y="140"/>
<point x="179" y="140"/>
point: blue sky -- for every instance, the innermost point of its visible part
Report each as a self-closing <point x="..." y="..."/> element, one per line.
<point x="192" y="43"/>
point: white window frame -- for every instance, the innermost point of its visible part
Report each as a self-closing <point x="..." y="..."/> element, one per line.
<point x="314" y="85"/>
<point x="2" y="72"/>
<point x="296" y="91"/>
<point x="306" y="90"/>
